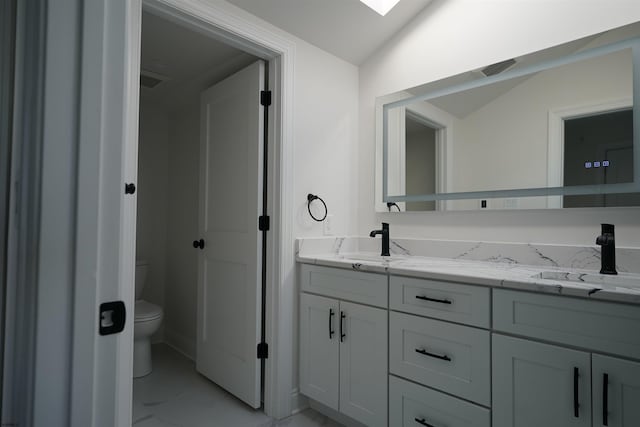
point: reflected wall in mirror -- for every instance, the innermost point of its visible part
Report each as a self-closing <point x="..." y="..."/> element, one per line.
<point x="551" y="129"/>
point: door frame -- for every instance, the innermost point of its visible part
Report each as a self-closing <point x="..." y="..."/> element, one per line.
<point x="234" y="27"/>
<point x="555" y="140"/>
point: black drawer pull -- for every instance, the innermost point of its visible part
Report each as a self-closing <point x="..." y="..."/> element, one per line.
<point x="605" y="399"/>
<point x="576" y="403"/>
<point x="342" y="334"/>
<point x="441" y="301"/>
<point x="436" y="356"/>
<point x="331" y="331"/>
<point x="423" y="422"/>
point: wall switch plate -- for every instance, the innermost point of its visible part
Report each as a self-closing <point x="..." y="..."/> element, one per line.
<point x="327" y="226"/>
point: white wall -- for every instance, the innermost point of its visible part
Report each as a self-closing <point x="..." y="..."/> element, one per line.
<point x="504" y="144"/>
<point x="153" y="163"/>
<point x="182" y="229"/>
<point x="454" y="36"/>
<point x="326" y="132"/>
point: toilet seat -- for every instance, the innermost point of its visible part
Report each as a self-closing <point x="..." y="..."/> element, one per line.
<point x="145" y="311"/>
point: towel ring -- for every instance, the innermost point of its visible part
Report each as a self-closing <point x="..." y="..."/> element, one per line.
<point x="311" y="198"/>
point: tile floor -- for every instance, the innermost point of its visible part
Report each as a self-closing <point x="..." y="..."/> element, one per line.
<point x="174" y="394"/>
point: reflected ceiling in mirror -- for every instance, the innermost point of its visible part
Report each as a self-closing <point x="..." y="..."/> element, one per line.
<point x="549" y="130"/>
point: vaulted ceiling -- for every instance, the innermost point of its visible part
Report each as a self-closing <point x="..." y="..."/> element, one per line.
<point x="345" y="28"/>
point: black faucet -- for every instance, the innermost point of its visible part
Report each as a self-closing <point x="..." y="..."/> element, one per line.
<point x="608" y="253"/>
<point x="385" y="238"/>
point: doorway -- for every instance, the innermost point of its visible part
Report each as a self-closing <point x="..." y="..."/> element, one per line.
<point x="421" y="171"/>
<point x="195" y="141"/>
<point x="598" y="149"/>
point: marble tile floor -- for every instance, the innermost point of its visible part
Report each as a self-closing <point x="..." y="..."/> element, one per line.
<point x="174" y="394"/>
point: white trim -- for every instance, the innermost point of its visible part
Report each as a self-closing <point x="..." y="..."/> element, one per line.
<point x="180" y="343"/>
<point x="555" y="140"/>
<point x="24" y="215"/>
<point x="434" y="117"/>
<point x="231" y="25"/>
<point x="379" y="204"/>
<point x="299" y="402"/>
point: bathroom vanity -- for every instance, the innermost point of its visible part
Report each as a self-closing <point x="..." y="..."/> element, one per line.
<point x="430" y="341"/>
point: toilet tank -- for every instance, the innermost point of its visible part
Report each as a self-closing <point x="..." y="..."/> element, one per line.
<point x="141" y="277"/>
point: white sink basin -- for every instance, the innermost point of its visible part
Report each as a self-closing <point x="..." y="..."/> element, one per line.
<point x="626" y="280"/>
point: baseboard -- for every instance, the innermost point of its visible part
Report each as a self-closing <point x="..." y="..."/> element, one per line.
<point x="180" y="343"/>
<point x="298" y="402"/>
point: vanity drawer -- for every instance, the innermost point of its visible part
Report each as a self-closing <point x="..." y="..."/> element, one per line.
<point x="448" y="357"/>
<point x="443" y="300"/>
<point x="601" y="326"/>
<point x="409" y="402"/>
<point x="348" y="285"/>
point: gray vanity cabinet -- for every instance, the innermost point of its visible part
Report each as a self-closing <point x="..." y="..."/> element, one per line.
<point x="343" y="343"/>
<point x="429" y="352"/>
<point x="439" y="353"/>
<point x="535" y="384"/>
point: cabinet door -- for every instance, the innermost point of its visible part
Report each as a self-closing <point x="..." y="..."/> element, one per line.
<point x="319" y="349"/>
<point x="539" y="385"/>
<point x="619" y="404"/>
<point x="363" y="364"/>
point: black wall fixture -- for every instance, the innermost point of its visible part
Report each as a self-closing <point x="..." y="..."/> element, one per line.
<point x="310" y="199"/>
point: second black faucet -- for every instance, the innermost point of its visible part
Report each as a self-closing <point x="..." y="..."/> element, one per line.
<point x="385" y="238"/>
<point x="607" y="240"/>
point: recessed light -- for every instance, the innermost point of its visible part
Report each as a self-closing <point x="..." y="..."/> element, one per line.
<point x="381" y="6"/>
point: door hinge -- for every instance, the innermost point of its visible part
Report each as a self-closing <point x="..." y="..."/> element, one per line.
<point x="263" y="223"/>
<point x="263" y="350"/>
<point x="265" y="98"/>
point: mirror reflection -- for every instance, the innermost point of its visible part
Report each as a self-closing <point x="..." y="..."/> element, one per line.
<point x="568" y="125"/>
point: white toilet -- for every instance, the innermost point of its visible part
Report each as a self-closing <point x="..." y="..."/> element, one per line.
<point x="148" y="318"/>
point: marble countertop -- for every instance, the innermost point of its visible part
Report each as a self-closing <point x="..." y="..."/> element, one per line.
<point x="624" y="287"/>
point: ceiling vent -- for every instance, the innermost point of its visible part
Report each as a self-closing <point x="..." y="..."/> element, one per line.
<point x="498" y="68"/>
<point x="149" y="79"/>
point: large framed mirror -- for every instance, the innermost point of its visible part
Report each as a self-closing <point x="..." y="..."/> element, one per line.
<point x="553" y="129"/>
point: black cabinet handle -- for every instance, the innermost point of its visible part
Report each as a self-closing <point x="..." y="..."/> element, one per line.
<point x="342" y="334"/>
<point x="331" y="331"/>
<point x="436" y="356"/>
<point x="576" y="404"/>
<point x="441" y="301"/>
<point x="424" y="422"/>
<point x="605" y="399"/>
<point x="198" y="244"/>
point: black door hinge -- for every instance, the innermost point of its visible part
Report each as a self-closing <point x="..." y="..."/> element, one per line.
<point x="129" y="188"/>
<point x="263" y="223"/>
<point x="263" y="350"/>
<point x="265" y="98"/>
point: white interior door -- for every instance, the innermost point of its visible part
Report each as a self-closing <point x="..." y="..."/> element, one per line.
<point x="229" y="266"/>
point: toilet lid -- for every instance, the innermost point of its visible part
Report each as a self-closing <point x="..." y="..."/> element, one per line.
<point x="146" y="311"/>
